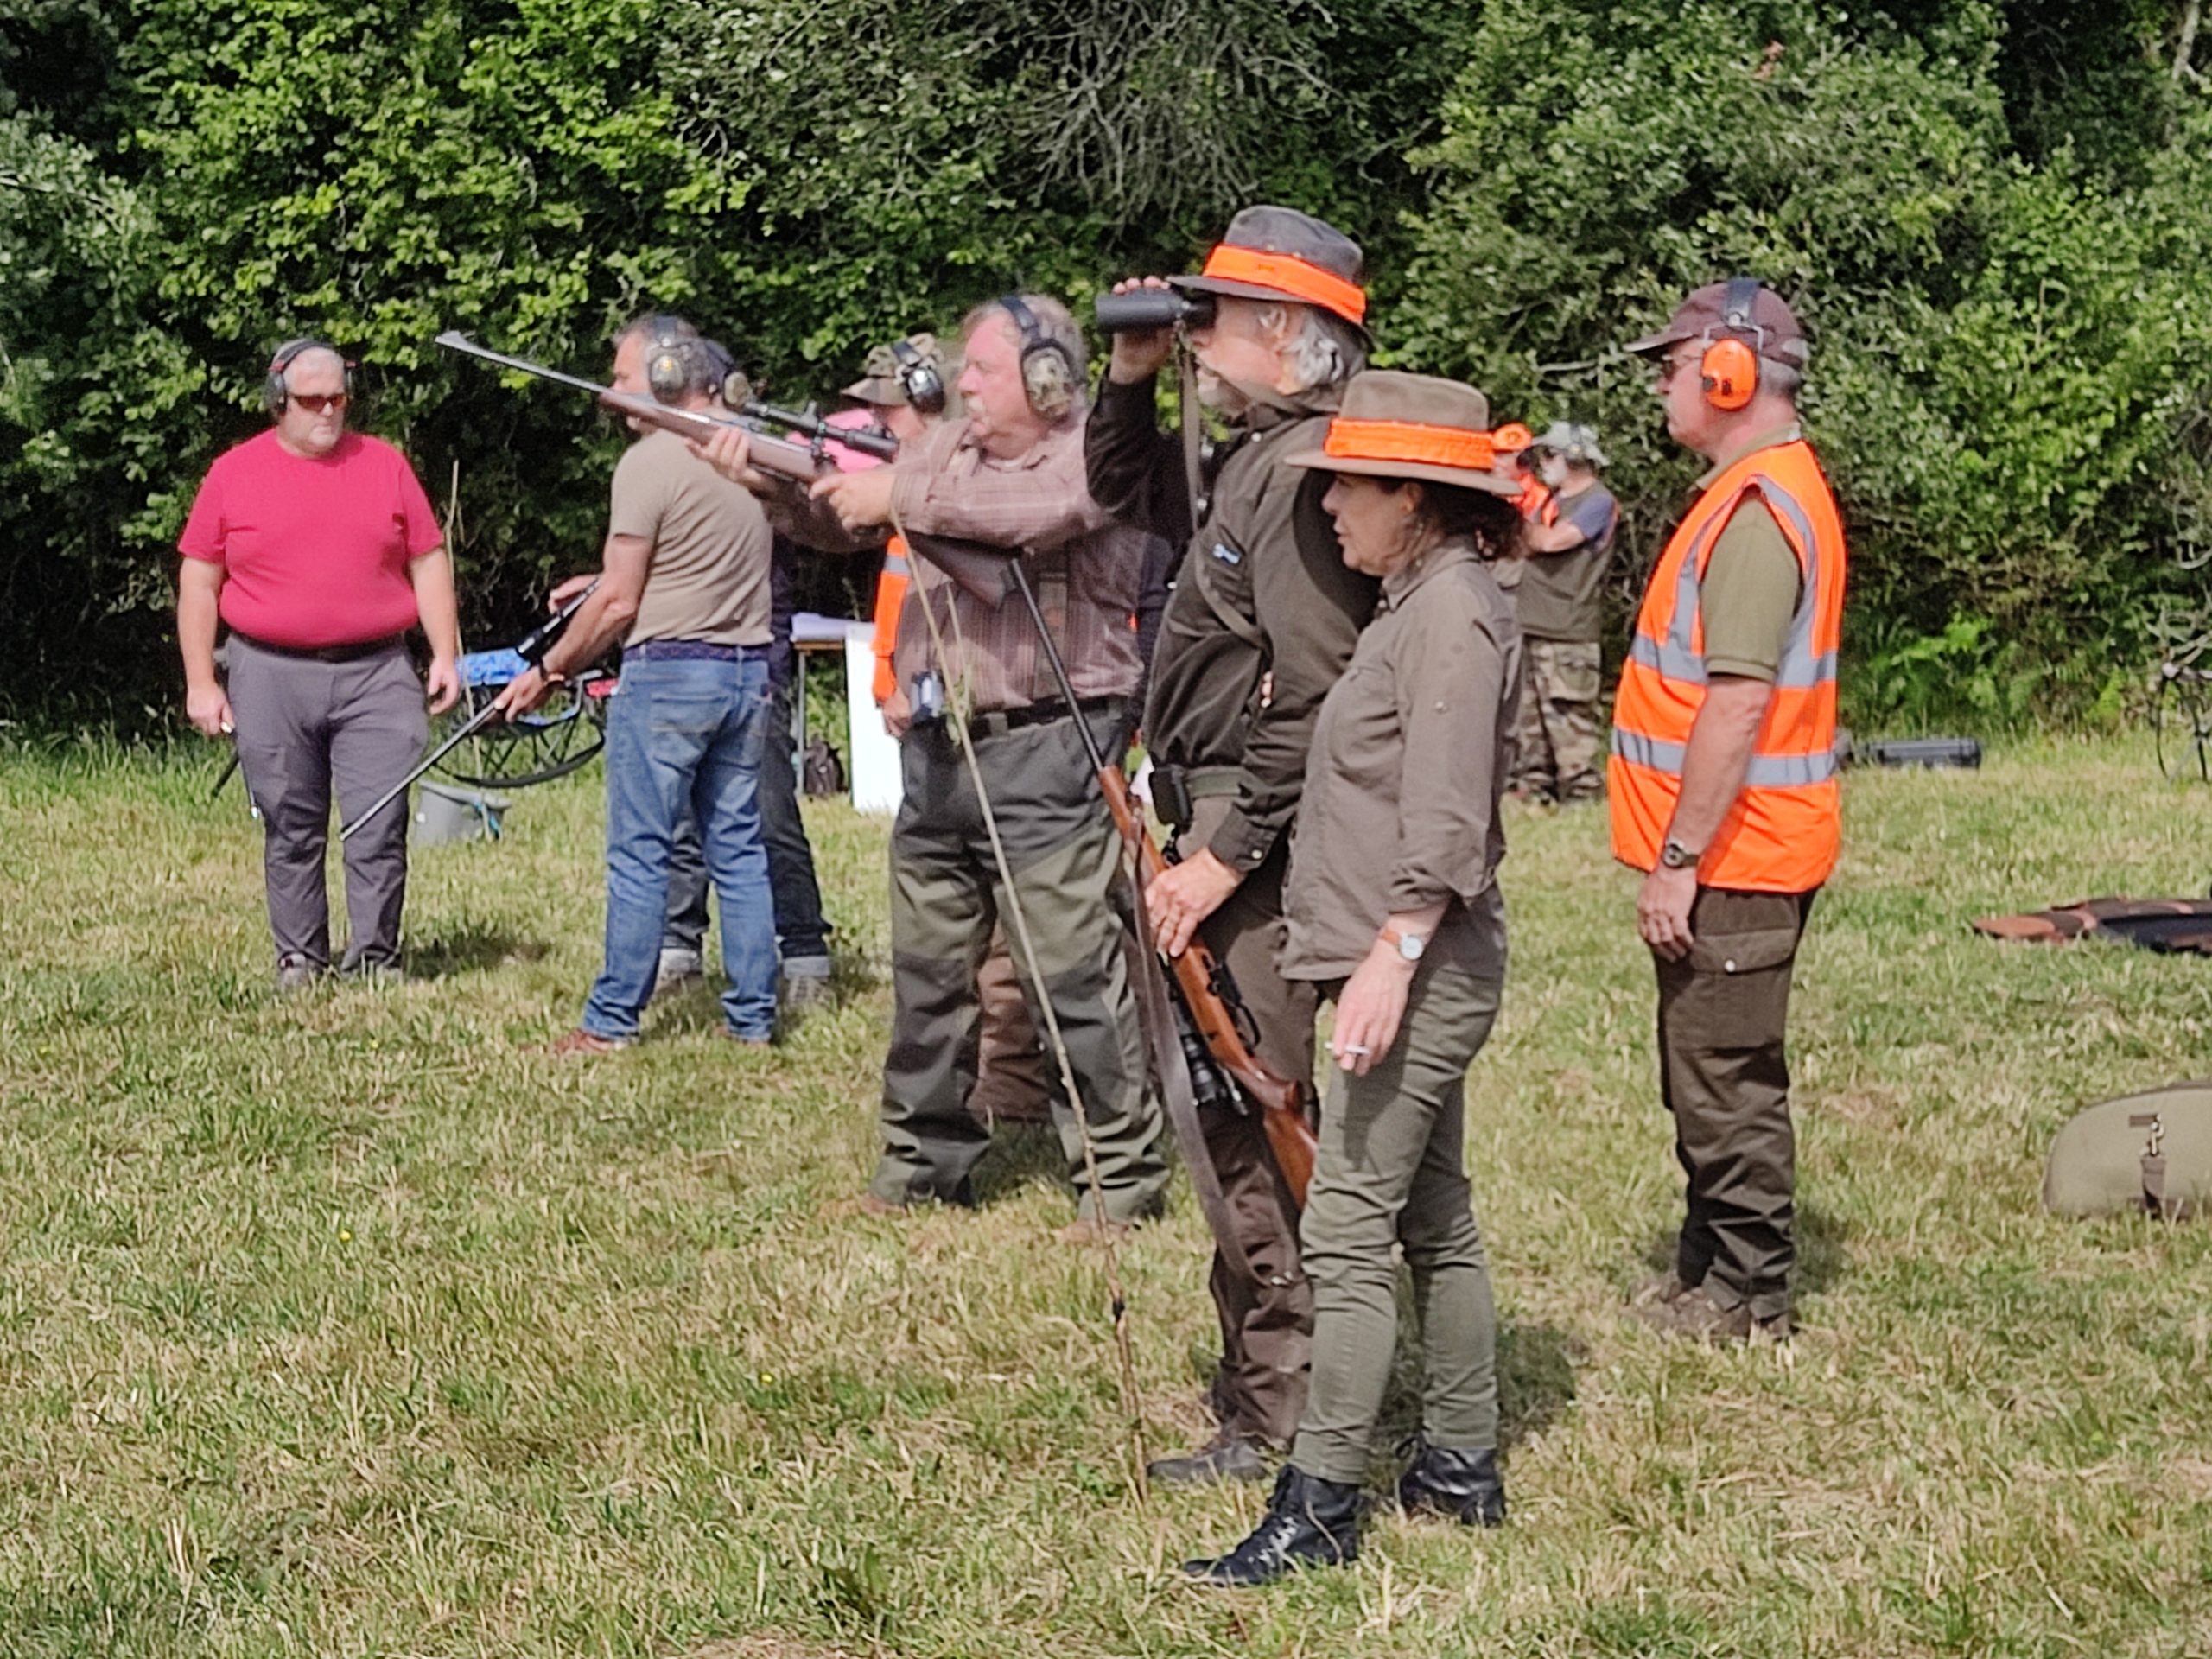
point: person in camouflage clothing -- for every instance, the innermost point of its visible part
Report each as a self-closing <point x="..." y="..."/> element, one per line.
<point x="1560" y="603"/>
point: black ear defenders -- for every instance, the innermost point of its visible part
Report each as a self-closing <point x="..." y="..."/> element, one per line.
<point x="919" y="379"/>
<point x="275" y="394"/>
<point x="1049" y="373"/>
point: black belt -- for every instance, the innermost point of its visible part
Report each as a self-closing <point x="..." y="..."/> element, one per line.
<point x="1001" y="720"/>
<point x="695" y="650"/>
<point x="346" y="653"/>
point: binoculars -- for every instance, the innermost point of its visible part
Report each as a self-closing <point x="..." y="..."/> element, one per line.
<point x="1145" y="308"/>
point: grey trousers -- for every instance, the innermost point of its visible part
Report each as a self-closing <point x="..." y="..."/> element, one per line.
<point x="307" y="729"/>
<point x="1390" y="1173"/>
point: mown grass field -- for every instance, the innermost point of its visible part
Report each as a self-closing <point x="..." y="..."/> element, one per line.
<point x="347" y="1325"/>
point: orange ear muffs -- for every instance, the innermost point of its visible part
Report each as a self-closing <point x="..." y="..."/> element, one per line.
<point x="1729" y="369"/>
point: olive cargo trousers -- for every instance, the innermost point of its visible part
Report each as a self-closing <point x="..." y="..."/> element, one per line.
<point x="946" y="896"/>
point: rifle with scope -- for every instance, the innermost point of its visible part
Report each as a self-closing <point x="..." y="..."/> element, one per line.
<point x="805" y="462"/>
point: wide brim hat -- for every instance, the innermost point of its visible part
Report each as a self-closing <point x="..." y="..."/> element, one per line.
<point x="1392" y="425"/>
<point x="881" y="383"/>
<point x="1279" y="253"/>
<point x="1759" y="316"/>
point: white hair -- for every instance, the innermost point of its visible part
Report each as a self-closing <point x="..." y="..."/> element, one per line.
<point x="1326" y="350"/>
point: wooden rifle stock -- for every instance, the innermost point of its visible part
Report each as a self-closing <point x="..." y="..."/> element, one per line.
<point x="1198" y="977"/>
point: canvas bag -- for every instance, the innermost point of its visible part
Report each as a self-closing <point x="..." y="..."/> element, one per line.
<point x="2141" y="1152"/>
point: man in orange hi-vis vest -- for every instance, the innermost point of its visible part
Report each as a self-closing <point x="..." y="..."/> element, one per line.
<point x="1723" y="791"/>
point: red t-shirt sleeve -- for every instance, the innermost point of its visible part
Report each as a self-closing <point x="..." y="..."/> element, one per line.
<point x="418" y="524"/>
<point x="205" y="533"/>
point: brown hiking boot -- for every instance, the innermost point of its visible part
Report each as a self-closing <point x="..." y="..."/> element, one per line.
<point x="1660" y="1290"/>
<point x="1695" y="1315"/>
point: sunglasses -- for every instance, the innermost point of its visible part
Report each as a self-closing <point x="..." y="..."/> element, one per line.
<point x="316" y="402"/>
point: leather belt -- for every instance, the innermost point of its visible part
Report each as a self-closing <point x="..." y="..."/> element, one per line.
<point x="694" y="650"/>
<point x="1002" y="721"/>
<point x="351" y="652"/>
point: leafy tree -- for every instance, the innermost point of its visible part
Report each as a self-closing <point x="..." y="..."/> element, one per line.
<point x="2003" y="355"/>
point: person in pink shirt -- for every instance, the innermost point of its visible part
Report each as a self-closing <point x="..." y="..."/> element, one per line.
<point x="316" y="548"/>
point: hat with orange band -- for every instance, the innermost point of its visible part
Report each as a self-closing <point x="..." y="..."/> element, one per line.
<point x="1398" y="425"/>
<point x="1279" y="253"/>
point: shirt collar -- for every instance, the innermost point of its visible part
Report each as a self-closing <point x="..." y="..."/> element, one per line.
<point x="1034" y="455"/>
<point x="1772" y="438"/>
<point x="1399" y="586"/>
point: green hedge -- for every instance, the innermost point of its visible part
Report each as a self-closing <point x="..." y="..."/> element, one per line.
<point x="1989" y="216"/>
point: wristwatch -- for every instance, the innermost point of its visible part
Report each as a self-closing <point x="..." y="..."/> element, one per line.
<point x="1675" y="856"/>
<point x="1409" y="945"/>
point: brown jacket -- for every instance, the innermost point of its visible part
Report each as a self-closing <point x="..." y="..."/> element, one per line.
<point x="1264" y="613"/>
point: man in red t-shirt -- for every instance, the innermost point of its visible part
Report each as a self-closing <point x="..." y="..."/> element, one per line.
<point x="318" y="549"/>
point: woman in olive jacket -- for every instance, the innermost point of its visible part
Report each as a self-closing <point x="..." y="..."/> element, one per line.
<point x="1394" y="910"/>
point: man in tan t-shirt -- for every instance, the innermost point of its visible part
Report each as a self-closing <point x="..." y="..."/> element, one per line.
<point x="684" y="586"/>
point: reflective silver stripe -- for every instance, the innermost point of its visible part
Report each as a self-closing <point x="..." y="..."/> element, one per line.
<point x="896" y="565"/>
<point x="1765" y="771"/>
<point x="1639" y="750"/>
<point x="1668" y="659"/>
<point x="1799" y="667"/>
<point x="1789" y="770"/>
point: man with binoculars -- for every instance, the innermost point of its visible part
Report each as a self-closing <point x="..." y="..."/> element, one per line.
<point x="1262" y="621"/>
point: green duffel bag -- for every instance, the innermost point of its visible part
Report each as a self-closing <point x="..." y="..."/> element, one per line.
<point x="2141" y="1152"/>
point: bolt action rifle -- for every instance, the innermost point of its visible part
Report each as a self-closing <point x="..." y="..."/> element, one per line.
<point x="803" y="462"/>
<point x="1204" y="1002"/>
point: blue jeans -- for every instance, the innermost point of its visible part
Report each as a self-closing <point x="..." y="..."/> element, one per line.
<point x="685" y="736"/>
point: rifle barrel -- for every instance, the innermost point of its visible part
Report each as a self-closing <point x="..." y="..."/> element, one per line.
<point x="772" y="453"/>
<point x="475" y="723"/>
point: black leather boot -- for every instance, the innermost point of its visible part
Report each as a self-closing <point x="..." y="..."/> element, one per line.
<point x="1463" y="1486"/>
<point x="1310" y="1522"/>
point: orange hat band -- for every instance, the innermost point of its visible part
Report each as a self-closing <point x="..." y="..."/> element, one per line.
<point x="1291" y="275"/>
<point x="1410" y="441"/>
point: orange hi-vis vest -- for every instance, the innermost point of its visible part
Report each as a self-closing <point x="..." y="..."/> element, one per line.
<point x="1785" y="829"/>
<point x="890" y="596"/>
<point x="1538" y="502"/>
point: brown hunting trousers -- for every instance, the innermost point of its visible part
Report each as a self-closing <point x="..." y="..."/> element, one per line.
<point x="1725" y="1077"/>
<point x="1267" y="1322"/>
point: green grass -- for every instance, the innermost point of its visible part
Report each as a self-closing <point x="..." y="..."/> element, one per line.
<point x="347" y="1325"/>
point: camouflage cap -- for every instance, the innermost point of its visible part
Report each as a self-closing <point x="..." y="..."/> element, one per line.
<point x="883" y="375"/>
<point x="1570" y="441"/>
